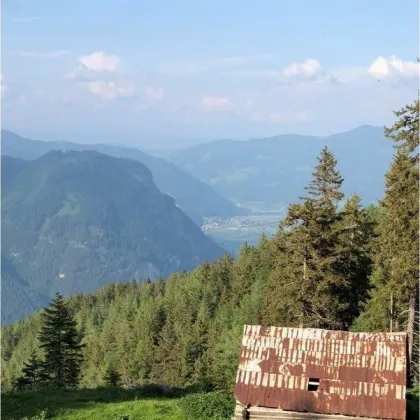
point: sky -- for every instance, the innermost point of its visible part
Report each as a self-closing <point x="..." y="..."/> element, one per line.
<point x="169" y="74"/>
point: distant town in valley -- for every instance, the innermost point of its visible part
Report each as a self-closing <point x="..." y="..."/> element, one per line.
<point x="233" y="232"/>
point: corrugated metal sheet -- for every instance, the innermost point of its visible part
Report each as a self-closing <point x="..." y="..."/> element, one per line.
<point x="262" y="413"/>
<point x="359" y="374"/>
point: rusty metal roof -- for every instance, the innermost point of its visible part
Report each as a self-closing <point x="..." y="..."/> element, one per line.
<point x="354" y="374"/>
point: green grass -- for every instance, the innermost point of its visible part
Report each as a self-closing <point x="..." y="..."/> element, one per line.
<point x="115" y="404"/>
<point x="89" y="405"/>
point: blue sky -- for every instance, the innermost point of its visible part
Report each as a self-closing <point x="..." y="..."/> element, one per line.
<point x="172" y="73"/>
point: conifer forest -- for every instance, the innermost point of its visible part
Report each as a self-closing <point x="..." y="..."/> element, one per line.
<point x="333" y="263"/>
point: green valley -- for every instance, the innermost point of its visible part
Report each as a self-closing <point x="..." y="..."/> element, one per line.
<point x="234" y="232"/>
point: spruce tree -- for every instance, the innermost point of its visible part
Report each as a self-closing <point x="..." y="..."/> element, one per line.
<point x="396" y="273"/>
<point x="399" y="230"/>
<point x="31" y="376"/>
<point x="245" y="272"/>
<point x="60" y="341"/>
<point x="170" y="361"/>
<point x="307" y="287"/>
<point x="356" y="231"/>
<point x="112" y="377"/>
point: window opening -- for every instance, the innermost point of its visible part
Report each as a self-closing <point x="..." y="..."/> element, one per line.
<point x="313" y="384"/>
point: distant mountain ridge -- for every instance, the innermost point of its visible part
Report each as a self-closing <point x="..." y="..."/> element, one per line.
<point x="275" y="170"/>
<point x="195" y="198"/>
<point x="74" y="221"/>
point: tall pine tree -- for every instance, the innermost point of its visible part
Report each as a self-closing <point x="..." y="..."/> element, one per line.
<point x="307" y="287"/>
<point x="356" y="229"/>
<point x="396" y="274"/>
<point x="60" y="341"/>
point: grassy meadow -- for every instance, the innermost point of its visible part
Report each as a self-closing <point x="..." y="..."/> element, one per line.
<point x="117" y="404"/>
<point x="89" y="405"/>
<point x="120" y="404"/>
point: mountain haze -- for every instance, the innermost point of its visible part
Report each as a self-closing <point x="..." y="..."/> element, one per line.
<point x="74" y="221"/>
<point x="195" y="198"/>
<point x="275" y="170"/>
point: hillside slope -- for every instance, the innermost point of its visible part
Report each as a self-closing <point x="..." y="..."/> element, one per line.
<point x="73" y="221"/>
<point x="194" y="197"/>
<point x="275" y="170"/>
<point x="14" y="289"/>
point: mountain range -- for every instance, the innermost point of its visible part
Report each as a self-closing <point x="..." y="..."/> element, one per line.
<point x="74" y="221"/>
<point x="196" y="198"/>
<point x="75" y="216"/>
<point x="275" y="170"/>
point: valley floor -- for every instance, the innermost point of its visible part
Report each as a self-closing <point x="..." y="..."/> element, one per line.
<point x="88" y="405"/>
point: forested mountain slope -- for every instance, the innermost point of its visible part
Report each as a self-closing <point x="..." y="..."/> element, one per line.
<point x="17" y="297"/>
<point x="186" y="330"/>
<point x="73" y="221"/>
<point x="328" y="266"/>
<point x="194" y="197"/>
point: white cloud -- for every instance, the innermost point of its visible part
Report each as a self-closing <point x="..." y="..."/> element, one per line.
<point x="97" y="62"/>
<point x="311" y="70"/>
<point x="97" y="69"/>
<point x="109" y="90"/>
<point x="393" y="67"/>
<point x="156" y="93"/>
<point x="39" y="54"/>
<point x="216" y="103"/>
<point x="308" y="69"/>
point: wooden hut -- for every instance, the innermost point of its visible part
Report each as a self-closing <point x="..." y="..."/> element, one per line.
<point x="305" y="373"/>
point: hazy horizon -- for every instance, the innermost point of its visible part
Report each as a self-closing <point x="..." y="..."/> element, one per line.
<point x="134" y="74"/>
<point x="182" y="143"/>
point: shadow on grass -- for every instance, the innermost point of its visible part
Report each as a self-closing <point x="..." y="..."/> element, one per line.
<point x="413" y="409"/>
<point x="29" y="404"/>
